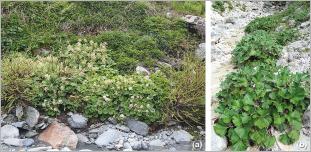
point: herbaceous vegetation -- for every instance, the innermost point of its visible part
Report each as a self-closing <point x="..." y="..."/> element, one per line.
<point x="261" y="97"/>
<point x="81" y="57"/>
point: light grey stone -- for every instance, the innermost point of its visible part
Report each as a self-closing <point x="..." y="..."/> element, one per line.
<point x="123" y="128"/>
<point x="200" y="51"/>
<point x="82" y="138"/>
<point x="19" y="112"/>
<point x="40" y="148"/>
<point x="108" y="137"/>
<point x="19" y="124"/>
<point x="32" y="116"/>
<point x="9" y="131"/>
<point x="142" y="70"/>
<point x="156" y="143"/>
<point x="77" y="121"/>
<point x="18" y="142"/>
<point x="182" y="136"/>
<point x="138" y="127"/>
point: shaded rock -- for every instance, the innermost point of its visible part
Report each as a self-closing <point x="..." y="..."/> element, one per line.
<point x="200" y="51"/>
<point x="123" y="128"/>
<point x="112" y="120"/>
<point x="19" y="112"/>
<point x="82" y="138"/>
<point x="18" y="142"/>
<point x="32" y="116"/>
<point x="218" y="143"/>
<point x="9" y="131"/>
<point x="9" y="119"/>
<point x="108" y="137"/>
<point x="20" y="124"/>
<point x="182" y="136"/>
<point x="138" y="127"/>
<point x="31" y="133"/>
<point x="77" y="121"/>
<point x="58" y="135"/>
<point x="142" y="70"/>
<point x="139" y="145"/>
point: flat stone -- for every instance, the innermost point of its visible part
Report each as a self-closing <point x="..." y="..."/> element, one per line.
<point x="182" y="136"/>
<point x="142" y="70"/>
<point x="77" y="121"/>
<point x="82" y="138"/>
<point x="108" y="137"/>
<point x="9" y="131"/>
<point x="123" y="128"/>
<point x="32" y="116"/>
<point x="156" y="143"/>
<point x="59" y="135"/>
<point x="31" y="133"/>
<point x="20" y="124"/>
<point x="40" y="148"/>
<point x="138" y="127"/>
<point x="18" y="142"/>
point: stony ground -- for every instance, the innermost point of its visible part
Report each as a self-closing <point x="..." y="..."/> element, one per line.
<point x="35" y="132"/>
<point x="227" y="30"/>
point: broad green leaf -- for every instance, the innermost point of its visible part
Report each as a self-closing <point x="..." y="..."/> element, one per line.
<point x="220" y="130"/>
<point x="269" y="141"/>
<point x="237" y="121"/>
<point x="294" y="135"/>
<point x="239" y="146"/>
<point x="248" y="100"/>
<point x="245" y="118"/>
<point x="285" y="139"/>
<point x="263" y="122"/>
<point x="242" y="132"/>
<point x="278" y="120"/>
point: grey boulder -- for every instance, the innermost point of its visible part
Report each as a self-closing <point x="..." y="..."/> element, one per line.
<point x="32" y="116"/>
<point x="138" y="127"/>
<point x="77" y="121"/>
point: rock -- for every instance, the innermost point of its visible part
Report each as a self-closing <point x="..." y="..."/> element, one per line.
<point x="195" y="24"/>
<point x="136" y="145"/>
<point x="108" y="137"/>
<point x="19" y="112"/>
<point x="85" y="150"/>
<point x="9" y="119"/>
<point x="65" y="149"/>
<point x="156" y="143"/>
<point x="31" y="133"/>
<point x="18" y="142"/>
<point x="127" y="145"/>
<point x="20" y="124"/>
<point x="32" y="116"/>
<point x="112" y="120"/>
<point x="142" y="70"/>
<point x="182" y="136"/>
<point x="83" y="139"/>
<point x="9" y="131"/>
<point x="40" y="148"/>
<point x="200" y="51"/>
<point x="306" y="117"/>
<point x="123" y="128"/>
<point x="218" y="143"/>
<point x="77" y="121"/>
<point x="230" y="20"/>
<point x="138" y="127"/>
<point x="58" y="135"/>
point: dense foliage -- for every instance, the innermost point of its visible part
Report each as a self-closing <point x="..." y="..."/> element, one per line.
<point x="255" y="100"/>
<point x="81" y="57"/>
<point x="260" y="96"/>
<point x="258" y="46"/>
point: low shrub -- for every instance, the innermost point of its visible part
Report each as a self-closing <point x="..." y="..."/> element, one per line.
<point x="256" y="100"/>
<point x="187" y="95"/>
<point x="189" y="7"/>
<point x="121" y="97"/>
<point x="268" y="23"/>
<point x="219" y="6"/>
<point x="16" y="72"/>
<point x="259" y="46"/>
<point x="285" y="36"/>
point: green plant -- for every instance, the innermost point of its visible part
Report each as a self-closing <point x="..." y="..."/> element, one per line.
<point x="218" y="6"/>
<point x="285" y="36"/>
<point x="268" y="23"/>
<point x="187" y="95"/>
<point x="259" y="46"/>
<point x="255" y="100"/>
<point x="121" y="97"/>
<point x="16" y="73"/>
<point x="189" y="7"/>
